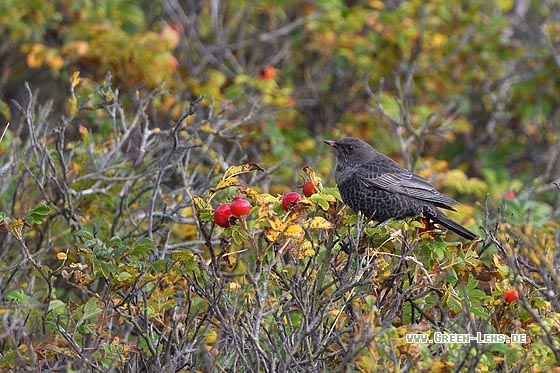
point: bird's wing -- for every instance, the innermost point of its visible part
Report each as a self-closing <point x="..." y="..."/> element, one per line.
<point x="400" y="180"/>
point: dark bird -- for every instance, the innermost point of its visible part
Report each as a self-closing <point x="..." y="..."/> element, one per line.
<point x="382" y="190"/>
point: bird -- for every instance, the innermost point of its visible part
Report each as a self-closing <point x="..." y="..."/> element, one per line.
<point x="375" y="185"/>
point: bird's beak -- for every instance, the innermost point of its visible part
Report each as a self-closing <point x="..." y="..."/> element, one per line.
<point x="330" y="143"/>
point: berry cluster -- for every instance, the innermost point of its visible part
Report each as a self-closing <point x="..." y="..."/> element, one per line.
<point x="225" y="214"/>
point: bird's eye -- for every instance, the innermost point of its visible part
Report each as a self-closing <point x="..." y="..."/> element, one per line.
<point x="351" y="147"/>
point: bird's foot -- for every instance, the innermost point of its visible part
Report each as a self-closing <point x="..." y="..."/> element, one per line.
<point x="383" y="223"/>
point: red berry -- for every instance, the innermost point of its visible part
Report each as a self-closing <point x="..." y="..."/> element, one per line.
<point x="428" y="225"/>
<point x="309" y="188"/>
<point x="289" y="199"/>
<point x="267" y="73"/>
<point x="222" y="215"/>
<point x="511" y="295"/>
<point x="510" y="195"/>
<point x="240" y="207"/>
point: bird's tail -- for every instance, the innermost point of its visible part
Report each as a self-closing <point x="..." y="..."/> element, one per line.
<point x="440" y="218"/>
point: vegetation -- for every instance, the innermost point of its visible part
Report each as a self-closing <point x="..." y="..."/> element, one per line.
<point x="127" y="125"/>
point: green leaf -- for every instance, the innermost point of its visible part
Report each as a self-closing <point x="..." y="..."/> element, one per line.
<point x="139" y="250"/>
<point x="123" y="276"/>
<point x="334" y="192"/>
<point x="57" y="306"/>
<point x="203" y="209"/>
<point x="18" y="296"/>
<point x="323" y="200"/>
<point x="107" y="269"/>
<point x="37" y="215"/>
<point x="439" y="249"/>
<point x="186" y="259"/>
<point x="84" y="234"/>
<point x="237" y="235"/>
<point x="115" y="241"/>
<point x="91" y="309"/>
<point x="480" y="312"/>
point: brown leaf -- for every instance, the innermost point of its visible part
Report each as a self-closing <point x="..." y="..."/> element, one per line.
<point x="314" y="178"/>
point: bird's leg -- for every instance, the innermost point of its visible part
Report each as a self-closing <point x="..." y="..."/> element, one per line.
<point x="359" y="229"/>
<point x="383" y="223"/>
<point x="354" y="242"/>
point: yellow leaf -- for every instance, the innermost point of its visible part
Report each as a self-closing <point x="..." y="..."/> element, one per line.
<point x="241" y="79"/>
<point x="222" y="184"/>
<point x="294" y="231"/>
<point x="217" y="167"/>
<point x="15" y="227"/>
<point x="207" y="127"/>
<point x="251" y="193"/>
<point x="260" y="198"/>
<point x="437" y="39"/>
<point x="211" y="337"/>
<point x="200" y="204"/>
<point x="216" y="78"/>
<point x="270" y="234"/>
<point x="299" y="210"/>
<point x="276" y="224"/>
<point x="303" y="251"/>
<point x="319" y="222"/>
<point x="376" y="4"/>
<point x="75" y="79"/>
<point x="84" y="133"/>
<point x="187" y="211"/>
<point x="73" y="106"/>
<point x="35" y="58"/>
<point x="230" y="176"/>
<point x="241" y="169"/>
<point x="505" y="5"/>
<point x="61" y="256"/>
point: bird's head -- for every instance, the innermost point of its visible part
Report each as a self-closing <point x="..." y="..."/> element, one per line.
<point x="351" y="151"/>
